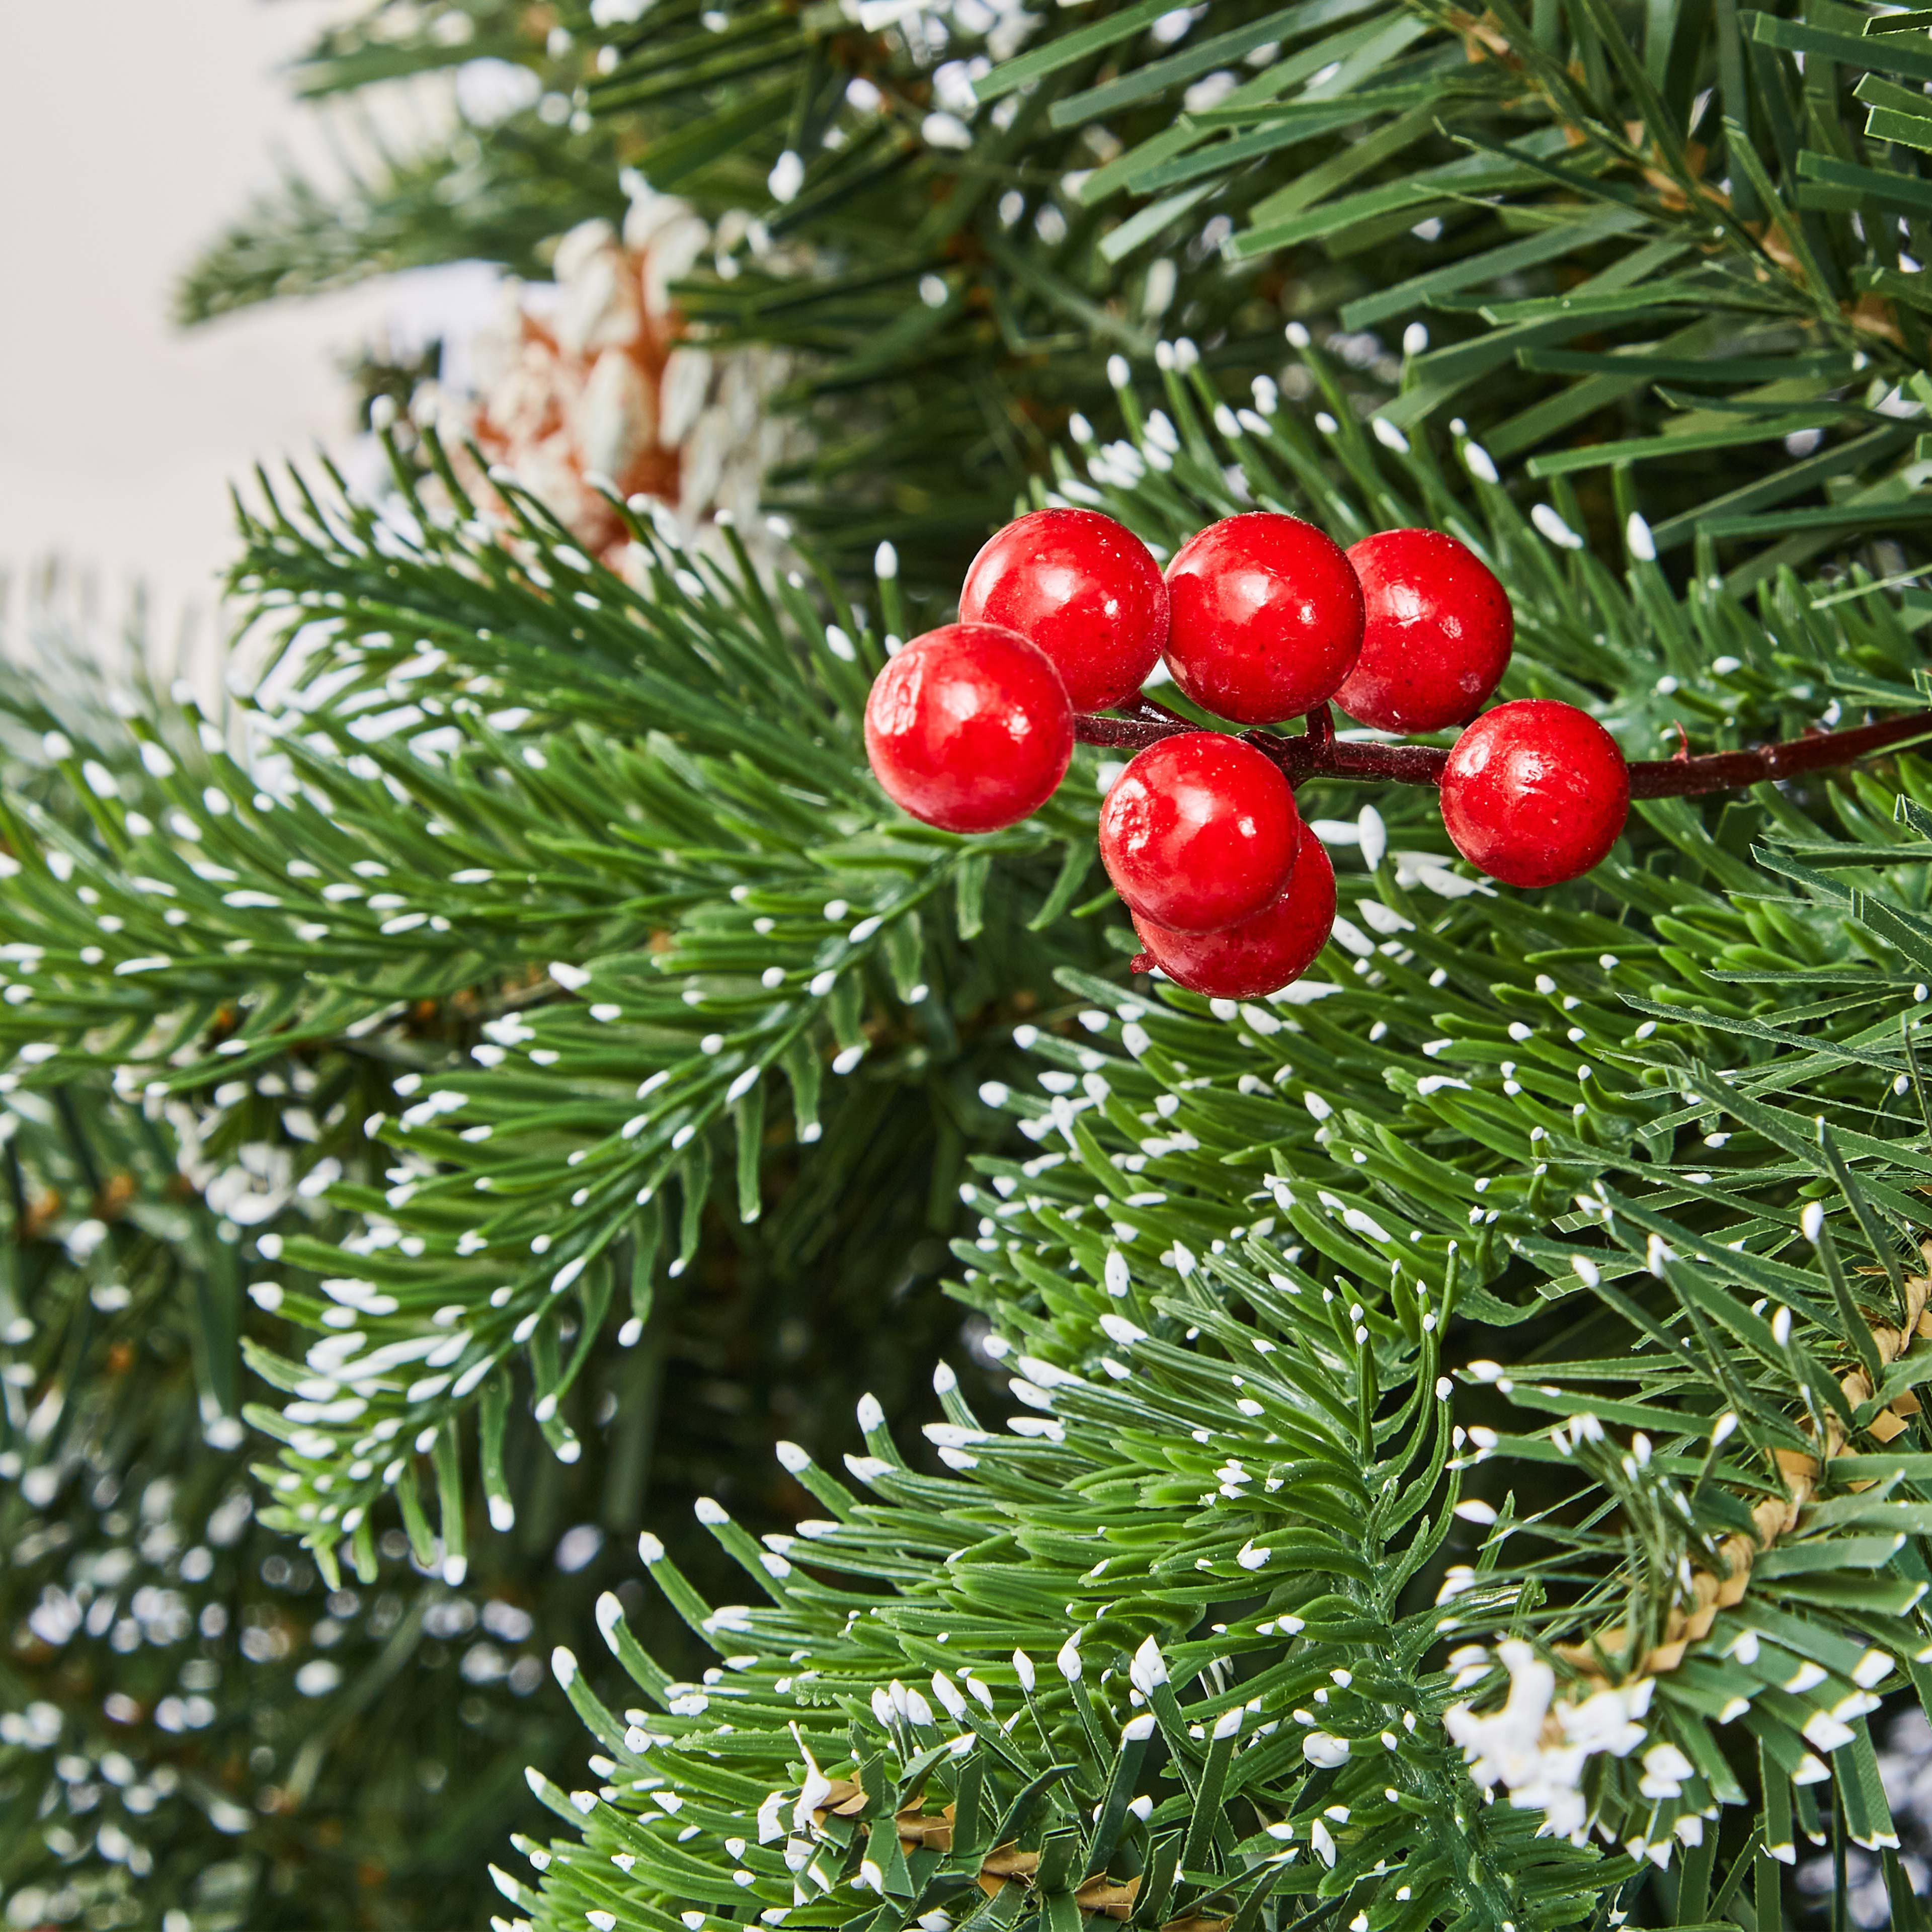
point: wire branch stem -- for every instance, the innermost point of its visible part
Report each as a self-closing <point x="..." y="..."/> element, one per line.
<point x="1317" y="753"/>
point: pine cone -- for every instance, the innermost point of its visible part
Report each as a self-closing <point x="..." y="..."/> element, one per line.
<point x="590" y="382"/>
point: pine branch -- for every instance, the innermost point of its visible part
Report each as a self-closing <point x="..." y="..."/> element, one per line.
<point x="1522" y="187"/>
<point x="943" y="291"/>
<point x="154" y="1628"/>
<point x="1296" y="1289"/>
<point x="1739" y="288"/>
<point x="499" y="194"/>
<point x="1221" y="1282"/>
<point x="683" y="809"/>
<point x="756" y="976"/>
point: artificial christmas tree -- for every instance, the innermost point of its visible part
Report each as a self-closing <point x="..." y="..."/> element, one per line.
<point x="1469" y="1396"/>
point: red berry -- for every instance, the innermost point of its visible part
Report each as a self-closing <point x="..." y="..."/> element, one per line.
<point x="1082" y="587"/>
<point x="1438" y="634"/>
<point x="1198" y="831"/>
<point x="1262" y="953"/>
<point x="1535" y="792"/>
<point x="1266" y="619"/>
<point x="968" y="728"/>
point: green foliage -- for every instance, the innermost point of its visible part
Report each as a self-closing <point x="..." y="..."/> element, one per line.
<point x="187" y="1717"/>
<point x="1577" y="1132"/>
<point x="193" y="1719"/>
<point x="940" y="281"/>
<point x="1670" y="237"/>
<point x="510" y="175"/>
<point x="1666" y="237"/>
<point x="1401" y="1356"/>
<point x="621" y="926"/>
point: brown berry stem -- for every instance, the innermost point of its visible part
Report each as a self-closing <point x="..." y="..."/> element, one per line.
<point x="1317" y="753"/>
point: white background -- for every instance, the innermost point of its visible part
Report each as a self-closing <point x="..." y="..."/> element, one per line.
<point x="131" y="131"/>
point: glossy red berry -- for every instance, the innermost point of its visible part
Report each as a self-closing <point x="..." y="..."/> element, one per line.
<point x="1535" y="792"/>
<point x="968" y="728"/>
<point x="1437" y="637"/>
<point x="1198" y="831"/>
<point x="1262" y="953"/>
<point x="1265" y="617"/>
<point x="1082" y="587"/>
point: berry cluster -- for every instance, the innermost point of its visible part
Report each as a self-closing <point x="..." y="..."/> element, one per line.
<point x="1260" y="618"/>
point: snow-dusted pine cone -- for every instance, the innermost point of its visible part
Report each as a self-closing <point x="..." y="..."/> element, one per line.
<point x="594" y="380"/>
